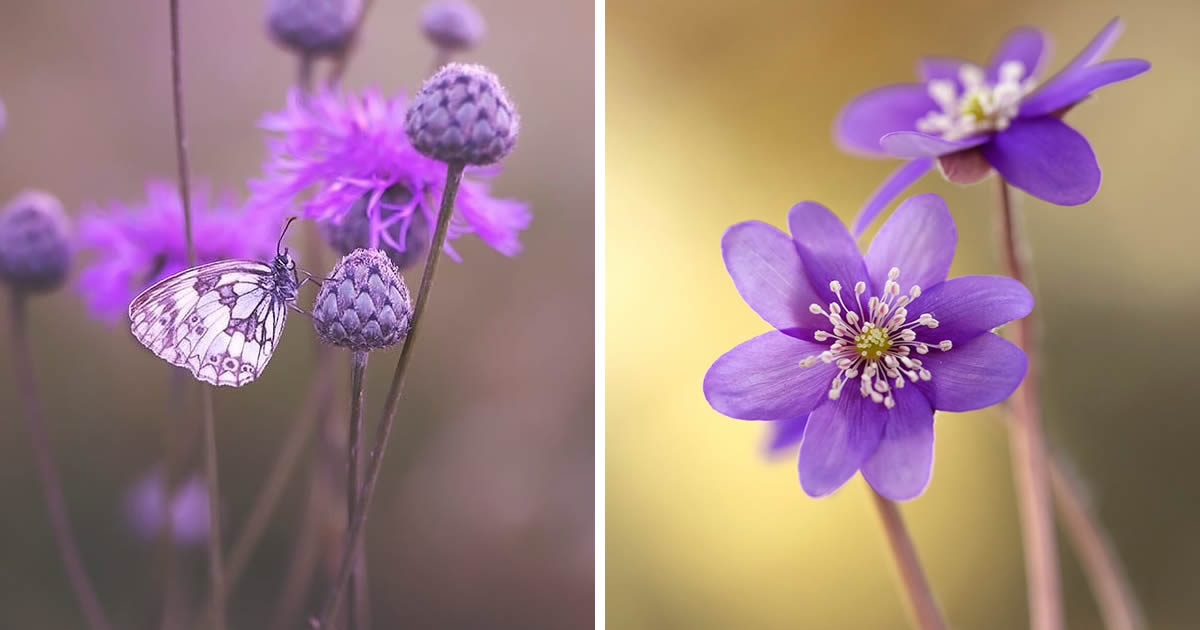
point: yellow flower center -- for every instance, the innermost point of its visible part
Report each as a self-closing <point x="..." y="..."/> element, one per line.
<point x="872" y="343"/>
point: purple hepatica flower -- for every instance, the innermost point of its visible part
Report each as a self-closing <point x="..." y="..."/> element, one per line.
<point x="189" y="509"/>
<point x="135" y="245"/>
<point x="353" y="153"/>
<point x="972" y="119"/>
<point x="864" y="347"/>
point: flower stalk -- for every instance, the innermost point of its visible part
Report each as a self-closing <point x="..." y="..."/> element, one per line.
<point x="454" y="172"/>
<point x="922" y="604"/>
<point x="56" y="505"/>
<point x="1028" y="444"/>
<point x="356" y="587"/>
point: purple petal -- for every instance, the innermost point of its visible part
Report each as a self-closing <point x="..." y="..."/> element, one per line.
<point x="968" y="306"/>
<point x="1067" y="89"/>
<point x="1095" y="48"/>
<point x="902" y="465"/>
<point x="840" y="436"/>
<point x="919" y="239"/>
<point x="891" y="188"/>
<point x="973" y="375"/>
<point x="1047" y="159"/>
<point x="761" y="379"/>
<point x="914" y="144"/>
<point x="944" y="68"/>
<point x="767" y="272"/>
<point x="1025" y="44"/>
<point x="785" y="435"/>
<point x="883" y="110"/>
<point x="826" y="248"/>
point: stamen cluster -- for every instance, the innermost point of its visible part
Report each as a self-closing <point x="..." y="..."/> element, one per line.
<point x="876" y="344"/>
<point x="981" y="106"/>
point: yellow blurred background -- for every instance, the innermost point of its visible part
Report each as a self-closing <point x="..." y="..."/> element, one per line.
<point x="484" y="512"/>
<point x="720" y="112"/>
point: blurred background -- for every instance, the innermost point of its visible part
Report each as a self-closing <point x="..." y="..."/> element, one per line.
<point x="484" y="514"/>
<point x="720" y="112"/>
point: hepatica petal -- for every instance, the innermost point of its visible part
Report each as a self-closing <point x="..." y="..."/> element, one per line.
<point x="918" y="239"/>
<point x="840" y="436"/>
<point x="761" y="379"/>
<point x="1068" y="89"/>
<point x="938" y="67"/>
<point x="1025" y="44"/>
<point x="767" y="272"/>
<point x="901" y="467"/>
<point x="1047" y="159"/>
<point x="914" y="144"/>
<point x="968" y="306"/>
<point x="891" y="188"/>
<point x="826" y="248"/>
<point x="867" y="118"/>
<point x="974" y="375"/>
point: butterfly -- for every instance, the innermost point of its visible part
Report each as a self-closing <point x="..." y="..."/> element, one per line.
<point x="221" y="320"/>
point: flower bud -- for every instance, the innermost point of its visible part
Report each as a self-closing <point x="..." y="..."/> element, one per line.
<point x="462" y="114"/>
<point x="35" y="255"/>
<point x="364" y="304"/>
<point x="452" y="25"/>
<point x="314" y="27"/>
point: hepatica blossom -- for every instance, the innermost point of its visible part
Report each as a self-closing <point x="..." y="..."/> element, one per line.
<point x="865" y="348"/>
<point x="973" y="118"/>
<point x="369" y="186"/>
<point x="134" y="245"/>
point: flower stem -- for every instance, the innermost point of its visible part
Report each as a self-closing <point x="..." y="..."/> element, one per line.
<point x="56" y="504"/>
<point x="921" y="602"/>
<point x="215" y="572"/>
<point x="358" y="368"/>
<point x="1028" y="445"/>
<point x="454" y="173"/>
<point x="1114" y="594"/>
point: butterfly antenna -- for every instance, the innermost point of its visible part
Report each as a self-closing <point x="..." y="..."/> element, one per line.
<point x="279" y="246"/>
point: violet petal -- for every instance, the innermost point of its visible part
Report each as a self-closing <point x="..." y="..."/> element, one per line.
<point x="1047" y="159"/>
<point x="914" y="144"/>
<point x="901" y="466"/>
<point x="1025" y="44"/>
<point x="786" y="435"/>
<point x="1068" y="89"/>
<point x="767" y="272"/>
<point x="919" y="239"/>
<point x="840" y="436"/>
<point x="867" y="118"/>
<point x="939" y="67"/>
<point x="975" y="374"/>
<point x="761" y="379"/>
<point x="826" y="248"/>
<point x="968" y="306"/>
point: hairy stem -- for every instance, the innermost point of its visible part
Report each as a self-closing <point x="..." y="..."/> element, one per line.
<point x="921" y="601"/>
<point x="1028" y="445"/>
<point x="56" y="504"/>
<point x="1114" y="594"/>
<point x="358" y="369"/>
<point x="383" y="432"/>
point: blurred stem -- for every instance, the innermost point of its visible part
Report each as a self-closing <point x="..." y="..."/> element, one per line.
<point x="56" y="504"/>
<point x="176" y="386"/>
<point x="1028" y="445"/>
<point x="343" y="58"/>
<point x="454" y="173"/>
<point x="1118" y="604"/>
<point x="305" y="74"/>
<point x="216" y="574"/>
<point x="921" y="602"/>
<point x="358" y="368"/>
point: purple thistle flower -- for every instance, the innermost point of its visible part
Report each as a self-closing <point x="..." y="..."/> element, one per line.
<point x="188" y="509"/>
<point x="972" y="119"/>
<point x="865" y="348"/>
<point x="135" y="245"/>
<point x="348" y="148"/>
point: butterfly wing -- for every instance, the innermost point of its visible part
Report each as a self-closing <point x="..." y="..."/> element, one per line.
<point x="220" y="320"/>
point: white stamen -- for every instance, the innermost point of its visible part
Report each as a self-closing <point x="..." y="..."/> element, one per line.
<point x="980" y="106"/>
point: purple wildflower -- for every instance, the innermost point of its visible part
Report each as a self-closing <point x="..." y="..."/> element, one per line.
<point x="189" y="509"/>
<point x="865" y="348"/>
<point x="348" y="148"/>
<point x="972" y="119"/>
<point x="136" y="245"/>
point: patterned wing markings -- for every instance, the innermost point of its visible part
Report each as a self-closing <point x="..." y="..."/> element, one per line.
<point x="221" y="320"/>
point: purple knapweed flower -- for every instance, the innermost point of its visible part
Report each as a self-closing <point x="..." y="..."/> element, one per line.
<point x="972" y="119"/>
<point x="132" y="246"/>
<point x="346" y="149"/>
<point x="865" y="348"/>
<point x="144" y="509"/>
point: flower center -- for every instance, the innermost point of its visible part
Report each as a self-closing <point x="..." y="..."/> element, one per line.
<point x="981" y="106"/>
<point x="876" y="343"/>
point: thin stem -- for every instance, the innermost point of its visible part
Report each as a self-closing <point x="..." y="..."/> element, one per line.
<point x="921" y="602"/>
<point x="358" y="393"/>
<point x="384" y="430"/>
<point x="343" y="57"/>
<point x="1114" y="594"/>
<point x="166" y="544"/>
<point x="1028" y="445"/>
<point x="305" y="74"/>
<point x="56" y="504"/>
<point x="215" y="572"/>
